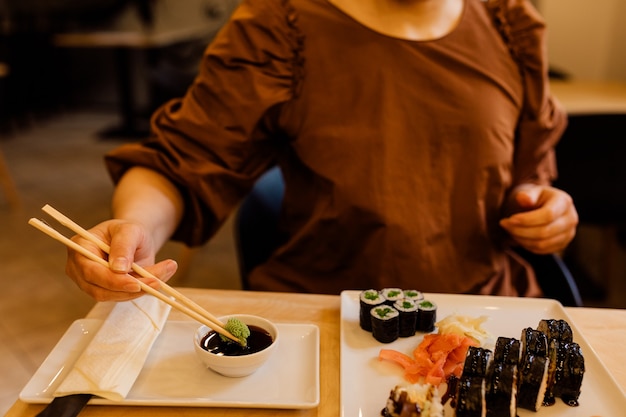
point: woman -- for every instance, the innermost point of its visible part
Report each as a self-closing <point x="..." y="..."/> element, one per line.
<point x="415" y="137"/>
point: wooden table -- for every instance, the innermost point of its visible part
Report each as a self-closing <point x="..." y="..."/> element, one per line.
<point x="604" y="329"/>
<point x="591" y="97"/>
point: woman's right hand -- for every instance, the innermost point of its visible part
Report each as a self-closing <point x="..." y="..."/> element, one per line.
<point x="129" y="243"/>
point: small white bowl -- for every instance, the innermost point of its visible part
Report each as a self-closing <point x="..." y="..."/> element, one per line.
<point x="237" y="366"/>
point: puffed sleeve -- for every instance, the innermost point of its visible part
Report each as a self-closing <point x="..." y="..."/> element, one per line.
<point x="543" y="119"/>
<point x="214" y="142"/>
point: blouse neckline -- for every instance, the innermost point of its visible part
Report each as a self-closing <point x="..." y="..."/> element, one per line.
<point x="399" y="38"/>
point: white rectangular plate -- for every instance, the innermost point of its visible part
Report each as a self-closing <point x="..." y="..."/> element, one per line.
<point x="366" y="381"/>
<point x="174" y="376"/>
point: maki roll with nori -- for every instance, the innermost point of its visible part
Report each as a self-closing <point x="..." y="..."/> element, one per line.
<point x="532" y="382"/>
<point x="570" y="379"/>
<point x="476" y="361"/>
<point x="501" y="389"/>
<point x="408" y="317"/>
<point x="470" y="397"/>
<point x="532" y="370"/>
<point x="426" y="316"/>
<point x="367" y="300"/>
<point x="414" y="295"/>
<point x="507" y="350"/>
<point x="534" y="342"/>
<point x="385" y="323"/>
<point x="391" y="295"/>
<point x="556" y="329"/>
<point x="567" y="365"/>
<point x="556" y="354"/>
<point x="501" y="379"/>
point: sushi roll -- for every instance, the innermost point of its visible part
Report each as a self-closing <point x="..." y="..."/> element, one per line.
<point x="367" y="300"/>
<point x="385" y="323"/>
<point x="501" y="378"/>
<point x="534" y="342"/>
<point x="391" y="295"/>
<point x="532" y="382"/>
<point x="470" y="397"/>
<point x="418" y="400"/>
<point x="532" y="370"/>
<point x="570" y="381"/>
<point x="414" y="295"/>
<point x="408" y="317"/>
<point x="507" y="350"/>
<point x="426" y="316"/>
<point x="556" y="354"/>
<point x="476" y="361"/>
<point x="501" y="389"/>
<point x="556" y="329"/>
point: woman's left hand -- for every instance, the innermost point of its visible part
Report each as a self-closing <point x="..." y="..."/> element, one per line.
<point x="547" y="220"/>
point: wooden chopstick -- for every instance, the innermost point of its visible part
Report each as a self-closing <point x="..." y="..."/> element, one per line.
<point x="196" y="315"/>
<point x="70" y="224"/>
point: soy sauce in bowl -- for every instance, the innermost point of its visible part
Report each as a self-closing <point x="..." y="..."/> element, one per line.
<point x="258" y="340"/>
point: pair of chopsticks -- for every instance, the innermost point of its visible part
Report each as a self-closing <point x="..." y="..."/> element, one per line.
<point x="180" y="302"/>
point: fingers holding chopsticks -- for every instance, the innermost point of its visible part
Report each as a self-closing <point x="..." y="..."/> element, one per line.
<point x="127" y="243"/>
<point x="102" y="282"/>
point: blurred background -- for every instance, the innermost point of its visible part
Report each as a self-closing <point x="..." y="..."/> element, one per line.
<point x="78" y="78"/>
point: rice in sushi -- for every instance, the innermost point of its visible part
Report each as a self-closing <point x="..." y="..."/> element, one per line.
<point x="417" y="400"/>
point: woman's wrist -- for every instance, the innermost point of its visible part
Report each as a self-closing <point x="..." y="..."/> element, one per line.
<point x="148" y="198"/>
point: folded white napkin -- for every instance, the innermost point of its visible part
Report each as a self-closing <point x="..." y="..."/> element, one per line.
<point x="111" y="362"/>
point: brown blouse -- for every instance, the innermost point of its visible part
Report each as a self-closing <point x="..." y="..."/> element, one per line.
<point x="397" y="154"/>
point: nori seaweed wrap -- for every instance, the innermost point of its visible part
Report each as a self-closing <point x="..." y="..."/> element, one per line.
<point x="470" y="396"/>
<point x="367" y="300"/>
<point x="501" y="389"/>
<point x="385" y="323"/>
<point x="426" y="316"/>
<point x="476" y="361"/>
<point x="408" y="317"/>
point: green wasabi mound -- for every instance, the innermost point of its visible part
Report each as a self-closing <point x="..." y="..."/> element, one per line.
<point x="237" y="328"/>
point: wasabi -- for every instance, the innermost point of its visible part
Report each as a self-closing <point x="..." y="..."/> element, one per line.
<point x="237" y="328"/>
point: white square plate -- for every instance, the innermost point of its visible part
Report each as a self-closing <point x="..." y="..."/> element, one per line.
<point x="366" y="381"/>
<point x="174" y="376"/>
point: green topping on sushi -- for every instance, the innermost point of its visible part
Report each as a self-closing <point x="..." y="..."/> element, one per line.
<point x="394" y="293"/>
<point x="371" y="295"/>
<point x="410" y="293"/>
<point x="407" y="304"/>
<point x="427" y="304"/>
<point x="237" y="328"/>
<point x="383" y="311"/>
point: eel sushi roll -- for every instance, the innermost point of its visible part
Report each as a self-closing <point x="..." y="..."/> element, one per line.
<point x="572" y="376"/>
<point x="501" y="379"/>
<point x="385" y="323"/>
<point x="407" y="310"/>
<point x="507" y="350"/>
<point x="477" y="361"/>
<point x="501" y="389"/>
<point x="367" y="300"/>
<point x="470" y="397"/>
<point x="556" y="329"/>
<point x="533" y="370"/>
<point x="391" y="295"/>
<point x="413" y="295"/>
<point x="426" y="316"/>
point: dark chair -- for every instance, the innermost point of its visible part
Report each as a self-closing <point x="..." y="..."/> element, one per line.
<point x="255" y="228"/>
<point x="257" y="236"/>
